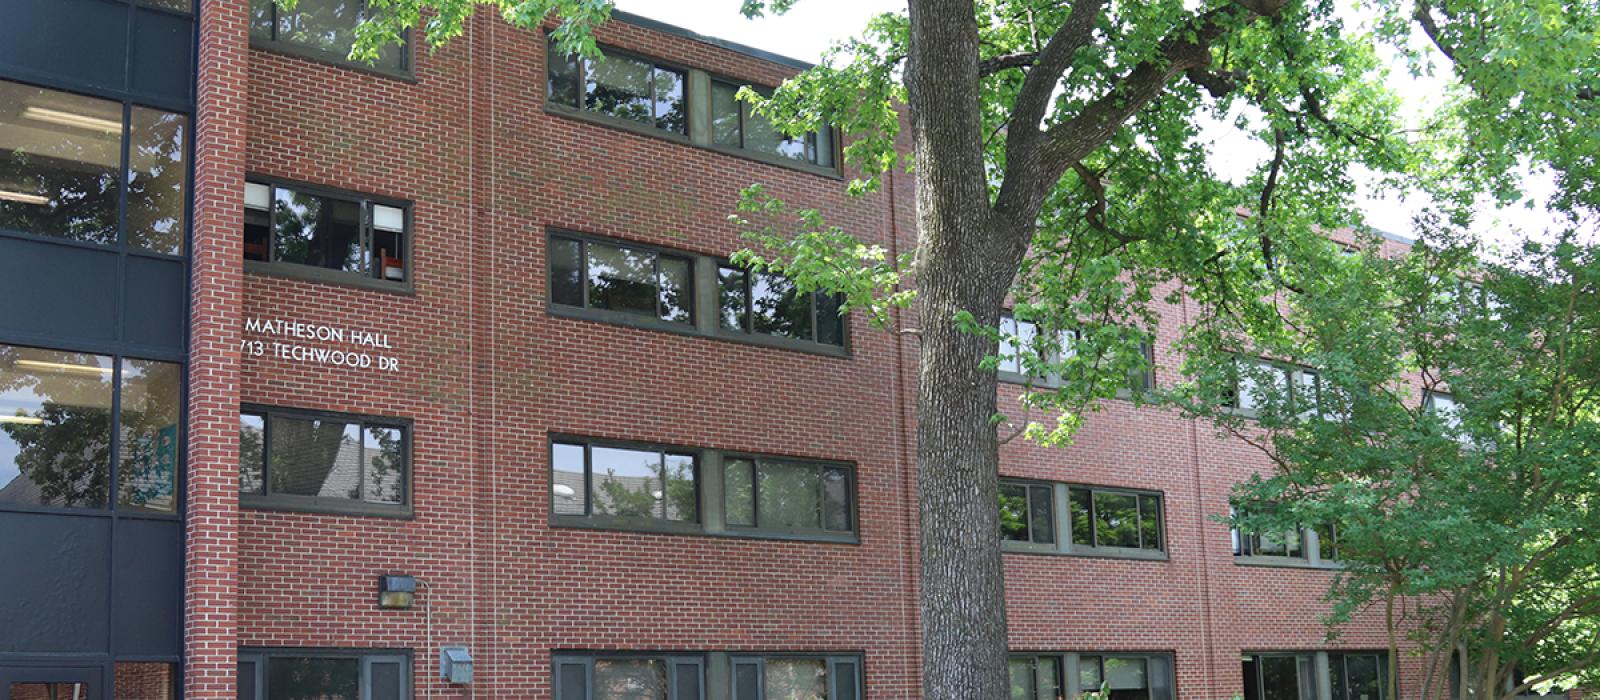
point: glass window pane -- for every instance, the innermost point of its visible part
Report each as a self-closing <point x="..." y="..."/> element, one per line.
<point x="384" y="476"/>
<point x="682" y="498"/>
<point x="762" y="137"/>
<point x="297" y="678"/>
<point x="386" y="679"/>
<point x="822" y="147"/>
<point x="566" y="272"/>
<point x="1079" y="502"/>
<point x="563" y="76"/>
<point x="619" y="86"/>
<point x="261" y="19"/>
<point x="1089" y="676"/>
<point x="725" y="115"/>
<point x="1009" y="360"/>
<point x="1049" y="678"/>
<point x="621" y="279"/>
<point x="675" y="289"/>
<point x="55" y="427"/>
<point x="143" y="681"/>
<point x="836" y="500"/>
<point x="49" y="691"/>
<point x="246" y="680"/>
<point x="1041" y="514"/>
<point x="1125" y="673"/>
<point x="1116" y="520"/>
<point x="734" y="300"/>
<point x="317" y="231"/>
<point x="778" y="308"/>
<point x="328" y="26"/>
<point x="789" y="495"/>
<point x="796" y="679"/>
<point x="567" y="490"/>
<point x="388" y="243"/>
<point x="314" y="457"/>
<point x="1280" y="678"/>
<point x="746" y="681"/>
<point x="1022" y="679"/>
<point x="574" y="682"/>
<point x="830" y="323"/>
<point x="252" y="452"/>
<point x="152" y="435"/>
<point x="687" y="679"/>
<point x="157" y="178"/>
<point x="1365" y="681"/>
<point x="627" y="483"/>
<point x="1014" y="512"/>
<point x="1150" y="522"/>
<point x="257" y="222"/>
<point x="671" y="114"/>
<point x="60" y="155"/>
<point x="739" y="507"/>
<point x="630" y="679"/>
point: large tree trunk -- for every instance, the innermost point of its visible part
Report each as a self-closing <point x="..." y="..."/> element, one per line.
<point x="968" y="258"/>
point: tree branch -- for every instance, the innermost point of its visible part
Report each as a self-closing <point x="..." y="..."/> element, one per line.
<point x="995" y="64"/>
<point x="1218" y="83"/>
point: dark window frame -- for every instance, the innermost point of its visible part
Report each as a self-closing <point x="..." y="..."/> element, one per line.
<point x="1030" y="486"/>
<point x="273" y="44"/>
<point x="1070" y="664"/>
<point x="811" y="138"/>
<point x="261" y="658"/>
<point x="748" y="316"/>
<point x="1246" y="550"/>
<point x="128" y="104"/>
<point x="1339" y="673"/>
<point x="616" y="315"/>
<point x="756" y="460"/>
<point x="1139" y="497"/>
<point x="606" y="521"/>
<point x="1292" y="375"/>
<point x="313" y="273"/>
<point x="670" y="660"/>
<point x="831" y="662"/>
<point x="268" y="501"/>
<point x="582" y="108"/>
<point x="1061" y="515"/>
<point x="1138" y="382"/>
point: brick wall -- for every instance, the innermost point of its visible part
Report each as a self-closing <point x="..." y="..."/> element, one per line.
<point x="487" y="374"/>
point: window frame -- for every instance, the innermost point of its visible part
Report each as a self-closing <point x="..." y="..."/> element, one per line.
<point x="750" y="334"/>
<point x="272" y="44"/>
<point x="313" y="273"/>
<point x="1032" y="544"/>
<point x="1245" y="550"/>
<point x="672" y="661"/>
<point x="834" y="150"/>
<point x="831" y="662"/>
<point x="1139" y="497"/>
<point x="756" y="460"/>
<point x="1061" y="518"/>
<point x="126" y="105"/>
<point x="1159" y="666"/>
<point x="710" y="481"/>
<point x="582" y="109"/>
<point x="1293" y="375"/>
<point x="590" y="519"/>
<point x="268" y="501"/>
<point x="261" y="657"/>
<point x="1137" y="383"/>
<point x="1339" y="668"/>
<point x="617" y="316"/>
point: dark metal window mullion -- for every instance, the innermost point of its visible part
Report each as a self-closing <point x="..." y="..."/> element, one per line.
<point x="1094" y="520"/>
<point x="369" y="238"/>
<point x="755" y="493"/>
<point x="266" y="454"/>
<point x="272" y="215"/>
<point x="583" y="282"/>
<point x="661" y="467"/>
<point x="655" y="266"/>
<point x="361" y="454"/>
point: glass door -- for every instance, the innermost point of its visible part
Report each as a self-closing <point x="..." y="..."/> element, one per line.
<point x="30" y="683"/>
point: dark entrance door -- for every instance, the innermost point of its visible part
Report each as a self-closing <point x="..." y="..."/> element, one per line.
<point x="37" y="683"/>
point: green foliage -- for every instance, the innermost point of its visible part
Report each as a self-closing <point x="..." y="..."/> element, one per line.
<point x="1481" y="521"/>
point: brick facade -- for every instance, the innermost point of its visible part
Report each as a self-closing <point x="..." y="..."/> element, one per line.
<point x="487" y="374"/>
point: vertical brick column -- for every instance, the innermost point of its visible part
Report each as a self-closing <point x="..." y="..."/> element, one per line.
<point x="211" y="561"/>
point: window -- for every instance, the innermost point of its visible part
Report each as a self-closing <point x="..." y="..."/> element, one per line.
<point x="327" y="236"/>
<point x="1115" y="519"/>
<point x="733" y="125"/>
<point x="597" y="480"/>
<point x="62" y="171"/>
<point x="1124" y="676"/>
<point x="621" y="86"/>
<point x="787" y="496"/>
<point x="1359" y="675"/>
<point x="1306" y="546"/>
<point x="767" y="303"/>
<point x="631" y="486"/>
<point x="624" y="279"/>
<point x="1262" y="385"/>
<point x="57" y="423"/>
<point x="324" y="461"/>
<point x="1280" y="677"/>
<point x="1098" y="521"/>
<point x="1027" y="513"/>
<point x="1443" y="407"/>
<point x="796" y="678"/>
<point x="323" y="29"/>
<point x="630" y="677"/>
<point x="293" y="674"/>
<point x="1027" y="351"/>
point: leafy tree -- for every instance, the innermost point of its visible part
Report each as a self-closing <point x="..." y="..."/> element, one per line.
<point x="1450" y="444"/>
<point x="1059" y="165"/>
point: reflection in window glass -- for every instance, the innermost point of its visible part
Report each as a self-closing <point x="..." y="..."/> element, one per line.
<point x="1027" y="513"/>
<point x="252" y="452"/>
<point x="771" y="304"/>
<point x="335" y="459"/>
<point x="157" y="176"/>
<point x="620" y="278"/>
<point x="343" y="233"/>
<point x="60" y="156"/>
<point x="568" y="491"/>
<point x="319" y="678"/>
<point x="793" y="496"/>
<point x="327" y="27"/>
<point x="620" y="86"/>
<point x="796" y="679"/>
<point x="55" y="427"/>
<point x="151" y="436"/>
<point x="625" y="483"/>
<point x="1115" y="519"/>
<point x="630" y="679"/>
<point x="740" y="488"/>
<point x="735" y="125"/>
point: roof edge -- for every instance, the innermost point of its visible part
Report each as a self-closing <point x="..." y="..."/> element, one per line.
<point x="736" y="47"/>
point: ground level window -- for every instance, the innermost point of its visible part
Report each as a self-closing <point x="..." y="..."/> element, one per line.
<point x="294" y="674"/>
<point x="630" y="677"/>
<point x="767" y="303"/>
<point x="1071" y="675"/>
<point x="796" y="677"/>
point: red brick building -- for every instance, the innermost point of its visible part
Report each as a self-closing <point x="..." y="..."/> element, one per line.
<point x="461" y="324"/>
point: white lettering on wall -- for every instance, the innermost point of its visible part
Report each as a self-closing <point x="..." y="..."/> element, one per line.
<point x="358" y="358"/>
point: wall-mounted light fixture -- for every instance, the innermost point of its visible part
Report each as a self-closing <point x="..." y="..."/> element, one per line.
<point x="396" y="592"/>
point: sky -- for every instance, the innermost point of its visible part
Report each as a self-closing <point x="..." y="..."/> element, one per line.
<point x="813" y="25"/>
